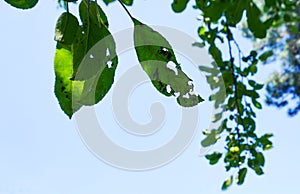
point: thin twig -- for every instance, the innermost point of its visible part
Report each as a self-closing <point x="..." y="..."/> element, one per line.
<point x="125" y="9"/>
<point x="235" y="88"/>
<point x="67" y="7"/>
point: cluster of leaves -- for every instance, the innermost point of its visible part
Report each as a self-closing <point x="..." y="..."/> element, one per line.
<point x="86" y="59"/>
<point x="283" y="43"/>
<point x="231" y="76"/>
<point x="85" y="69"/>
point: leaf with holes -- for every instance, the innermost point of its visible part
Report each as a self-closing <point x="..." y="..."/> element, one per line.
<point x="94" y="48"/>
<point x="158" y="60"/>
<point x="22" y="4"/>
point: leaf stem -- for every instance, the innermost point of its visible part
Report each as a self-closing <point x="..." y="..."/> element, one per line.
<point x="67" y="7"/>
<point x="124" y="7"/>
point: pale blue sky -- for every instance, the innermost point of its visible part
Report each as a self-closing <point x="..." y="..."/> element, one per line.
<point x="41" y="150"/>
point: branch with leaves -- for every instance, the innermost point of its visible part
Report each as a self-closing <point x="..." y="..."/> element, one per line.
<point x="85" y="69"/>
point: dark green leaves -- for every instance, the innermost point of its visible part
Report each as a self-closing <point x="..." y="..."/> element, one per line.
<point x="214" y="158"/>
<point x="66" y="29"/>
<point x="231" y="76"/>
<point x="92" y="58"/>
<point x="179" y="5"/>
<point x="127" y="2"/>
<point x="108" y="1"/>
<point x="241" y="176"/>
<point x="158" y="60"/>
<point x="263" y="57"/>
<point x="257" y="27"/>
<point x="22" y="4"/>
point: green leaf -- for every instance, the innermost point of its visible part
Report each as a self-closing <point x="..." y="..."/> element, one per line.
<point x="258" y="170"/>
<point x="199" y="44"/>
<point x="127" y="2"/>
<point x="212" y="138"/>
<point x="255" y="85"/>
<point x="179" y="5"/>
<point x="266" y="144"/>
<point x="214" y="10"/>
<point x="72" y="94"/>
<point x="256" y="26"/>
<point x="256" y="104"/>
<point x="253" y="69"/>
<point x="251" y="93"/>
<point x="22" y="4"/>
<point x="67" y="91"/>
<point x="263" y="57"/>
<point x="227" y="183"/>
<point x="94" y="48"/>
<point x="217" y="117"/>
<point x="66" y="28"/>
<point x="158" y="60"/>
<point x="96" y="88"/>
<point x="216" y="54"/>
<point x="241" y="176"/>
<point x="213" y="158"/>
<point x="108" y="1"/>
<point x="260" y="159"/>
<point x="235" y="12"/>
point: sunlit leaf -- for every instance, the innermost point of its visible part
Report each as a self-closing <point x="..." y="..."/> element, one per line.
<point x="67" y="91"/>
<point x="227" y="183"/>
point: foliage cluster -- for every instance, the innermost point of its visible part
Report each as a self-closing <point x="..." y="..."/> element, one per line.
<point x="85" y="71"/>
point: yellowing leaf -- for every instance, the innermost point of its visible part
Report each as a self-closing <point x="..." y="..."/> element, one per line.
<point x="67" y="91"/>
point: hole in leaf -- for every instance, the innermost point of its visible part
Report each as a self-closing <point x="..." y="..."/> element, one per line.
<point x="186" y="95"/>
<point x="169" y="89"/>
<point x="91" y="56"/>
<point x="216" y="79"/>
<point x="109" y="64"/>
<point x="171" y="65"/>
<point x="107" y="52"/>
